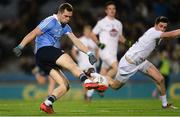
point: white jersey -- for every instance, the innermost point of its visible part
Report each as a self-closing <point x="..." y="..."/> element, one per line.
<point x="82" y="58"/>
<point x="109" y="32"/>
<point x="144" y="46"/>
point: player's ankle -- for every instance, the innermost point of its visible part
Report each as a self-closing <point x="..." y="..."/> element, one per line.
<point x="83" y="77"/>
<point x="50" y="100"/>
<point x="164" y="100"/>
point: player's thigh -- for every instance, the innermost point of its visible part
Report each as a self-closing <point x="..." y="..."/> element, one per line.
<point x="66" y="62"/>
<point x="59" y="77"/>
<point x="125" y="70"/>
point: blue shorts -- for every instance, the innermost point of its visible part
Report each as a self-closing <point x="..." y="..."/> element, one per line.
<point x="46" y="58"/>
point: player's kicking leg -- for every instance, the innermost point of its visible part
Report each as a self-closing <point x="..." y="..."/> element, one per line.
<point x="66" y="61"/>
<point x="59" y="77"/>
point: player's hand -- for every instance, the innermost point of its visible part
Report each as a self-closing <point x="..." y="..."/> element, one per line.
<point x="101" y="45"/>
<point x="92" y="58"/>
<point x="18" y="50"/>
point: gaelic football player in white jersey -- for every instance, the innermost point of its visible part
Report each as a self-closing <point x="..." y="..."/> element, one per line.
<point x="136" y="58"/>
<point x="82" y="59"/>
<point x="109" y="30"/>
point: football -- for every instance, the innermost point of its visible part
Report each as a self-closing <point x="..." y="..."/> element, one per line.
<point x="102" y="82"/>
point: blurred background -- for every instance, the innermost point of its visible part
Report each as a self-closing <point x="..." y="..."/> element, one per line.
<point x="18" y="17"/>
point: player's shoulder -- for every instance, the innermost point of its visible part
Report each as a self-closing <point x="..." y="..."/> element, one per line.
<point x="153" y="33"/>
<point x="101" y="21"/>
<point x="152" y="30"/>
<point x="118" y="21"/>
<point x="50" y="19"/>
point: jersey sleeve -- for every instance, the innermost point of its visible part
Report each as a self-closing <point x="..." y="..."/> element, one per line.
<point x="46" y="24"/>
<point x="97" y="28"/>
<point x="157" y="34"/>
<point x="67" y="29"/>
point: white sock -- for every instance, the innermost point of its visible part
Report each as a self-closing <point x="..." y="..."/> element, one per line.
<point x="89" y="93"/>
<point x="48" y="102"/>
<point x="164" y="100"/>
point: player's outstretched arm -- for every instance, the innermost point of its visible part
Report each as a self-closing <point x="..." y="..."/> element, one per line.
<point x="171" y="34"/>
<point x="78" y="43"/>
<point x="82" y="47"/>
<point x="27" y="39"/>
<point x="30" y="36"/>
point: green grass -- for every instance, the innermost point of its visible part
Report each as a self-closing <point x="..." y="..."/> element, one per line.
<point x="139" y="107"/>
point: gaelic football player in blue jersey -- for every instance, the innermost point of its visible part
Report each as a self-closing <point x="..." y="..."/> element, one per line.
<point x="49" y="56"/>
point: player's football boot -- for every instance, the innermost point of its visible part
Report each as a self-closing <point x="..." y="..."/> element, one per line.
<point x="101" y="88"/>
<point x="91" y="85"/>
<point x="47" y="109"/>
<point x="169" y="106"/>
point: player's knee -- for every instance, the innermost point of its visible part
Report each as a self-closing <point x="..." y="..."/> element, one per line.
<point x="160" y="80"/>
<point x="64" y="87"/>
<point x="67" y="87"/>
<point x="116" y="86"/>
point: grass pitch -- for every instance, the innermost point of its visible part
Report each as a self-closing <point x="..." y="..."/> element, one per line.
<point x="125" y="107"/>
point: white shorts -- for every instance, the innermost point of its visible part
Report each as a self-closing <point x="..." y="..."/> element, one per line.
<point x="107" y="59"/>
<point x="126" y="69"/>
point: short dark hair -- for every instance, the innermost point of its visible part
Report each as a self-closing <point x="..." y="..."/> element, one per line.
<point x="161" y="19"/>
<point x="66" y="6"/>
<point x="110" y="3"/>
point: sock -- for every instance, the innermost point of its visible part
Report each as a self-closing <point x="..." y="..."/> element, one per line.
<point x="89" y="93"/>
<point x="49" y="101"/>
<point x="164" y="100"/>
<point x="82" y="77"/>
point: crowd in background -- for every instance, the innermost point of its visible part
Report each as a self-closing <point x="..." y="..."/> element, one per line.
<point x="18" y="17"/>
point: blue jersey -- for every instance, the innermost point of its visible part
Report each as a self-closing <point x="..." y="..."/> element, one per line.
<point x="52" y="32"/>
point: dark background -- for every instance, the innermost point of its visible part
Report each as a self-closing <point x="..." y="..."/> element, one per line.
<point x="18" y="17"/>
